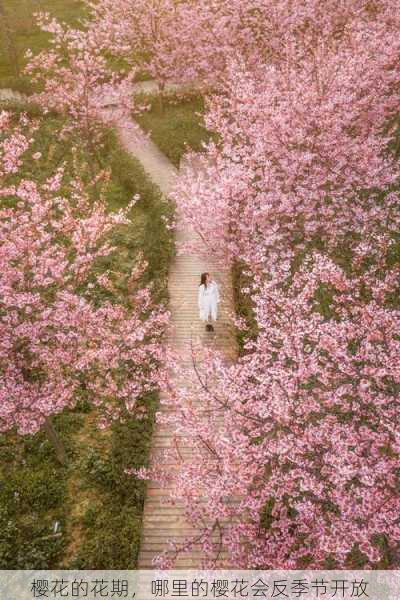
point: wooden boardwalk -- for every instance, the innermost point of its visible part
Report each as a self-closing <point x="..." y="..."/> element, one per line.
<point x="163" y="522"/>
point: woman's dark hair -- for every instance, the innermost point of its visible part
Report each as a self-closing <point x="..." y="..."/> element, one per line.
<point x="203" y="280"/>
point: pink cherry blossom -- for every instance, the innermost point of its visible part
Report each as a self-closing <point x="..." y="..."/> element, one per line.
<point x="297" y="443"/>
<point x="57" y="342"/>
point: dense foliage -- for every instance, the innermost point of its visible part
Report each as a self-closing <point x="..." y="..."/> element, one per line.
<point x="297" y="443"/>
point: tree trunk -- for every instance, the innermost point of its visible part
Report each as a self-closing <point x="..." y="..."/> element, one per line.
<point x="161" y="90"/>
<point x="55" y="440"/>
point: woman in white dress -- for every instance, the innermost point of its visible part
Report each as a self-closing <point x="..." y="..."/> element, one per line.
<point x="208" y="300"/>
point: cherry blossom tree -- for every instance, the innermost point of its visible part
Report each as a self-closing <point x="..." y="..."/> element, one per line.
<point x="297" y="443"/>
<point x="168" y="40"/>
<point x="76" y="79"/>
<point x="197" y="40"/>
<point x="182" y="41"/>
<point x="299" y="138"/>
<point x="142" y="33"/>
<point x="58" y="342"/>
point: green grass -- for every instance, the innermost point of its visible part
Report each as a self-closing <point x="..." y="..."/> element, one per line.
<point x="98" y="506"/>
<point x="149" y="233"/>
<point x="176" y="125"/>
<point x="32" y="497"/>
<point x="19" y="32"/>
<point x="111" y="524"/>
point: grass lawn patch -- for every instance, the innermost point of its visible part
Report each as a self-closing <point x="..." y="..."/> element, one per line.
<point x="19" y="32"/>
<point x="109" y="518"/>
<point x="33" y="489"/>
<point x="176" y="124"/>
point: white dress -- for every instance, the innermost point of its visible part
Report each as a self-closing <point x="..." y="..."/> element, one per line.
<point x="208" y="301"/>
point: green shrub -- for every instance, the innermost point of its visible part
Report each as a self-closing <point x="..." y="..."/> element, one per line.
<point x="243" y="305"/>
<point x="110" y="530"/>
<point x="32" y="494"/>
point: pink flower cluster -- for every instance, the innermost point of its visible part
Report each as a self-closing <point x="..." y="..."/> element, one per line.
<point x="57" y="343"/>
<point x="297" y="444"/>
<point x="76" y="78"/>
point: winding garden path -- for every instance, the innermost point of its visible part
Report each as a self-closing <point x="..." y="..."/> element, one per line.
<point x="161" y="521"/>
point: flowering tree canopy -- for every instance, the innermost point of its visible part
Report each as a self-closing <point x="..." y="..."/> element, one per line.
<point x="297" y="443"/>
<point x="57" y="342"/>
<point x="76" y="78"/>
<point x="302" y="136"/>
